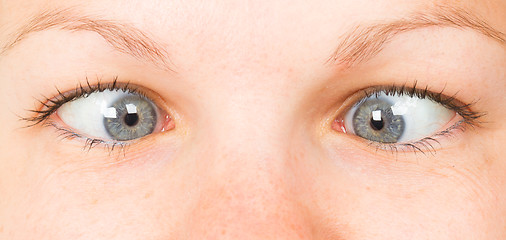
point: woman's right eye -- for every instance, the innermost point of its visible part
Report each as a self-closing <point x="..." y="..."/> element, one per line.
<point x="112" y="115"/>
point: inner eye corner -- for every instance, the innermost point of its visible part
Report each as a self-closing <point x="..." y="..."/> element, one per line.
<point x="167" y="122"/>
<point x="337" y="124"/>
<point x="338" y="117"/>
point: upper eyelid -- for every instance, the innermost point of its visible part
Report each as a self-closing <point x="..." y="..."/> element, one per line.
<point x="49" y="105"/>
<point x="449" y="101"/>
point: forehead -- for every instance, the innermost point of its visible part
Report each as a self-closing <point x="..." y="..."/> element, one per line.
<point x="248" y="32"/>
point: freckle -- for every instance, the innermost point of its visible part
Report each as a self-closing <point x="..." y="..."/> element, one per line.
<point x="1" y="229"/>
<point x="148" y="195"/>
<point x="94" y="202"/>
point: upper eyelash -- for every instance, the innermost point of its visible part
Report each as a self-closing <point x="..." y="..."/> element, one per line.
<point x="470" y="118"/>
<point x="449" y="102"/>
<point x="51" y="105"/>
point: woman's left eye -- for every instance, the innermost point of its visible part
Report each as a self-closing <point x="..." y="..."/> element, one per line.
<point x="396" y="118"/>
<point x="117" y="115"/>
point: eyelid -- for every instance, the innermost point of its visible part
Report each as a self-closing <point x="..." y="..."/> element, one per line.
<point x="46" y="113"/>
<point x="49" y="105"/>
<point x="469" y="118"/>
<point x="449" y="101"/>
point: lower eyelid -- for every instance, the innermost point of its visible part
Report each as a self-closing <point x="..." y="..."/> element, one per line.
<point x="430" y="144"/>
<point x="339" y="126"/>
<point x="165" y="123"/>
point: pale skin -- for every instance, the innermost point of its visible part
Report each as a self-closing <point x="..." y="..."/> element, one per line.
<point x="252" y="152"/>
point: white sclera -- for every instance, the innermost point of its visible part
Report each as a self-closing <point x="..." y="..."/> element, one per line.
<point x="86" y="114"/>
<point x="422" y="117"/>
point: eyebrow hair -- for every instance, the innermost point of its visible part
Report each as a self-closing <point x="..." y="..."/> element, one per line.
<point x="360" y="44"/>
<point x="123" y="37"/>
<point x="364" y="42"/>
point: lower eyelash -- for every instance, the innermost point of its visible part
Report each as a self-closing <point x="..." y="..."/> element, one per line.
<point x="470" y="118"/>
<point x="111" y="146"/>
<point x="426" y="144"/>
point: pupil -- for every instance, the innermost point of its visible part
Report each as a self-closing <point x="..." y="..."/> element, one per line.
<point x="131" y="119"/>
<point x="377" y="125"/>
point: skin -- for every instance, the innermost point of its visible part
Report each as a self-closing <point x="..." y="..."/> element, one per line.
<point x="253" y="154"/>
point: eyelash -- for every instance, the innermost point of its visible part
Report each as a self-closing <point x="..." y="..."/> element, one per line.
<point x="50" y="105"/>
<point x="470" y="118"/>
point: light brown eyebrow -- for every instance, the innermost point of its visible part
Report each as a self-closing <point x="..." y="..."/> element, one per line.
<point x="364" y="42"/>
<point x="123" y="37"/>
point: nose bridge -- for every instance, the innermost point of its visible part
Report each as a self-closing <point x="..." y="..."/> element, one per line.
<point x="246" y="182"/>
<point x="246" y="126"/>
<point x="251" y="197"/>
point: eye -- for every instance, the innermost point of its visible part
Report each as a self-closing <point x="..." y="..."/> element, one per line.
<point x="396" y="118"/>
<point x="112" y="114"/>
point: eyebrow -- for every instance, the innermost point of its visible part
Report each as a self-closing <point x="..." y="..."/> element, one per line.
<point x="123" y="37"/>
<point x="358" y="45"/>
<point x="364" y="42"/>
